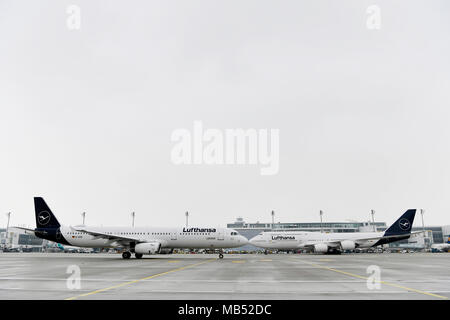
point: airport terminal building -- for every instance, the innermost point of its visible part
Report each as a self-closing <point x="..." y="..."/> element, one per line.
<point x="16" y="238"/>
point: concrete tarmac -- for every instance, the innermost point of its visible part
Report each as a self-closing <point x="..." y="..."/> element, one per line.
<point x="246" y="276"/>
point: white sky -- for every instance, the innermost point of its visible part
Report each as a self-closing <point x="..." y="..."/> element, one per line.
<point x="86" y="116"/>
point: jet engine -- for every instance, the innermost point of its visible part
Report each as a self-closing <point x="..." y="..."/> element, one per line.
<point x="320" y="247"/>
<point x="348" y="245"/>
<point x="147" y="248"/>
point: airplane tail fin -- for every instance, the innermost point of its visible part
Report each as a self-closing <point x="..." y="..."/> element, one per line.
<point x="44" y="216"/>
<point x="403" y="225"/>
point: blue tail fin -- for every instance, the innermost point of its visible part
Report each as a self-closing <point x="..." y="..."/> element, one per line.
<point x="403" y="225"/>
<point x="44" y="216"/>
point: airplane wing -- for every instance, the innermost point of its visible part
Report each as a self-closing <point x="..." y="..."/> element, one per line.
<point x="107" y="236"/>
<point x="417" y="232"/>
<point x="337" y="243"/>
<point x="27" y="230"/>
<point x="122" y="240"/>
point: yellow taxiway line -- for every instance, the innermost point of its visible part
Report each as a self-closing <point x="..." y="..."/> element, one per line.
<point x="135" y="281"/>
<point x="383" y="282"/>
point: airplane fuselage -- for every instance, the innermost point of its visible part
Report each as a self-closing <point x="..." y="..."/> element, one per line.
<point x="441" y="246"/>
<point x="299" y="239"/>
<point x="167" y="237"/>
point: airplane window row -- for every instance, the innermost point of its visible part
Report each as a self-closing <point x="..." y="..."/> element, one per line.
<point x="156" y="233"/>
<point x="139" y="233"/>
<point x="153" y="233"/>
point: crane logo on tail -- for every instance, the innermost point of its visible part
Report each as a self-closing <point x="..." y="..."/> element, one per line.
<point x="404" y="224"/>
<point x="44" y="218"/>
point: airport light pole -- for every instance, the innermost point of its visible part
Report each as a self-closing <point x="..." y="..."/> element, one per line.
<point x="7" y="228"/>
<point x="422" y="211"/>
<point x="372" y="212"/>
<point x="273" y="218"/>
<point x="321" y="214"/>
<point x="133" y="214"/>
<point x="84" y="217"/>
<point x="187" y="219"/>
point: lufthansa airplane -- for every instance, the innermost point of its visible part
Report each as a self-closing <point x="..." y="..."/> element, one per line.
<point x="140" y="241"/>
<point x="335" y="242"/>
<point x="442" y="246"/>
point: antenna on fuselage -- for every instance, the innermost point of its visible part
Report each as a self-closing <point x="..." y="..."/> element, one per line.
<point x="133" y="214"/>
<point x="84" y="217"/>
<point x="187" y="219"/>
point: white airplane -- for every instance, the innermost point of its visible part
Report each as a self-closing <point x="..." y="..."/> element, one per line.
<point x="72" y="249"/>
<point x="140" y="241"/>
<point x="335" y="242"/>
<point x="442" y="246"/>
<point x="66" y="248"/>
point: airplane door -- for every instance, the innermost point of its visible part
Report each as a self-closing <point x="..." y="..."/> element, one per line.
<point x="173" y="236"/>
<point x="220" y="235"/>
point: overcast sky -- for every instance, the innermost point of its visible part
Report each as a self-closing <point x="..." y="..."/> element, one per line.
<point x="86" y="116"/>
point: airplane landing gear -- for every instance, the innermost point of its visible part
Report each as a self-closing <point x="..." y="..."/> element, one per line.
<point x="333" y="251"/>
<point x="221" y="254"/>
<point x="265" y="252"/>
<point x="138" y="255"/>
<point x="126" y="255"/>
